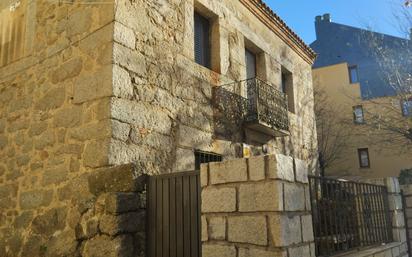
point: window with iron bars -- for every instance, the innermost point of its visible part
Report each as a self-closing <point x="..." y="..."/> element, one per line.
<point x="206" y="157"/>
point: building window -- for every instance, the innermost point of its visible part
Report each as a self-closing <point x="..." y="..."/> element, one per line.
<point x="202" y="40"/>
<point x="358" y="116"/>
<point x="407" y="108"/>
<point x="206" y="157"/>
<point x="364" y="158"/>
<point x="250" y="59"/>
<point x="287" y="88"/>
<point x="353" y="74"/>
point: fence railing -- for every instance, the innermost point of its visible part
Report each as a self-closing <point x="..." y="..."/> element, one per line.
<point x="348" y="215"/>
<point x="254" y="100"/>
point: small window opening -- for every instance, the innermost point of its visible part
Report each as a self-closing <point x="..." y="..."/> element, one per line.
<point x="202" y="40"/>
<point x="287" y="88"/>
<point x="353" y="74"/>
<point x="358" y="116"/>
<point x="364" y="161"/>
<point x="206" y="157"/>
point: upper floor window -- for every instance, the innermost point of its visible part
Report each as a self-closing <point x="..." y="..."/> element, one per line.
<point x="250" y="59"/>
<point x="287" y="88"/>
<point x="202" y="40"/>
<point x="364" y="161"/>
<point x="407" y="107"/>
<point x="353" y="74"/>
<point x="358" y="116"/>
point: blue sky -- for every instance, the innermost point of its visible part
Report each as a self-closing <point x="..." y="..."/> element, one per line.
<point x="300" y="14"/>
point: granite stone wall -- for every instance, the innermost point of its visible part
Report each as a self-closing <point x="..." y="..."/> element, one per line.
<point x="54" y="122"/>
<point x="101" y="84"/>
<point x="256" y="207"/>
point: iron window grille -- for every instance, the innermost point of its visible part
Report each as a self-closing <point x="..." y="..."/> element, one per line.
<point x="348" y="215"/>
<point x="206" y="157"/>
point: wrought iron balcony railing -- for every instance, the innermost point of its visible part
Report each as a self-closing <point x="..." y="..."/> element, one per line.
<point x="256" y="104"/>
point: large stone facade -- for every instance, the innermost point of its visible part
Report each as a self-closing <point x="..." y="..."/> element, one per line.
<point x="164" y="104"/>
<point x="86" y="86"/>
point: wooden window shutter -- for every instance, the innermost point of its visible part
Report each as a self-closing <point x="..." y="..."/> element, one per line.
<point x="202" y="40"/>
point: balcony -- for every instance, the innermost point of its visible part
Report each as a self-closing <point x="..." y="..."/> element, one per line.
<point x="254" y="104"/>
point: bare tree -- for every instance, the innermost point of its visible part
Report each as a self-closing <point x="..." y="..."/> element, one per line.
<point x="332" y="130"/>
<point x="389" y="117"/>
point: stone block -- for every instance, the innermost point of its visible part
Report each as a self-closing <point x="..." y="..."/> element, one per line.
<point x="200" y="138"/>
<point x="67" y="70"/>
<point x="247" y="229"/>
<point x="307" y="228"/>
<point x="399" y="234"/>
<point x="23" y="220"/>
<point x="217" y="228"/>
<point x="116" y="179"/>
<point x="141" y="115"/>
<point x="91" y="86"/>
<point x="392" y="184"/>
<point x="280" y="167"/>
<point x="124" y="223"/>
<point x="68" y="117"/>
<point x="408" y="201"/>
<point x="204" y="174"/>
<point x="116" y="203"/>
<point x="398" y="220"/>
<point x="294" y="197"/>
<point x="52" y="99"/>
<point x="257" y="168"/>
<point x="185" y="160"/>
<point x="35" y="199"/>
<point x="132" y="60"/>
<point x="96" y="154"/>
<point x="228" y="171"/>
<point x="261" y="196"/>
<point x="120" y="130"/>
<point x="301" y="171"/>
<point x="308" y="204"/>
<point x="395" y="202"/>
<point x="55" y="175"/>
<point x="124" y="35"/>
<point x="218" y="200"/>
<point x="122" y="83"/>
<point x="299" y="251"/>
<point x="395" y="252"/>
<point x="50" y="222"/>
<point x="285" y="230"/>
<point x="62" y="244"/>
<point x="217" y="250"/>
<point x="103" y="245"/>
<point x="205" y="231"/>
<point x="252" y="252"/>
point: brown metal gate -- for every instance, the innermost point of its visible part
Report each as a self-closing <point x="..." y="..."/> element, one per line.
<point x="174" y="215"/>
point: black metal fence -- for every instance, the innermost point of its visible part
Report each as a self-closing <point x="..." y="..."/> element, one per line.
<point x="348" y="215"/>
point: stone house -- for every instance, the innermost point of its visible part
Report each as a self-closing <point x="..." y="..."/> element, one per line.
<point x="89" y="86"/>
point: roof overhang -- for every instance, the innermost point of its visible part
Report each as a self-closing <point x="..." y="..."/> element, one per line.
<point x="279" y="27"/>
